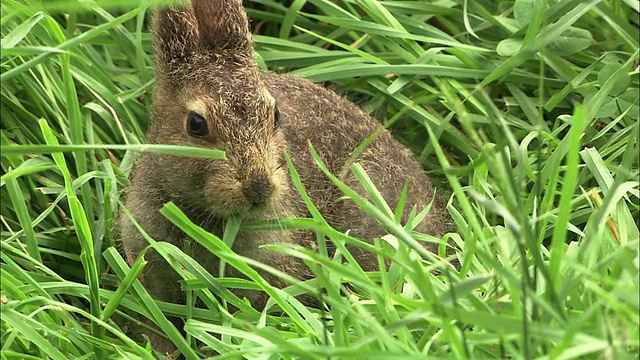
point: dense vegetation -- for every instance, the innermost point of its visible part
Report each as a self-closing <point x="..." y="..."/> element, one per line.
<point x="526" y="110"/>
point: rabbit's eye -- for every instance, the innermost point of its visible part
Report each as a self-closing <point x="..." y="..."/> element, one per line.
<point x="197" y="125"/>
<point x="276" y="117"/>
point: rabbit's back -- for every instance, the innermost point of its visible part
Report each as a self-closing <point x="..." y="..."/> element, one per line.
<point x="336" y="128"/>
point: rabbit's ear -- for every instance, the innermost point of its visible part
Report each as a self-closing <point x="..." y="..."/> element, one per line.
<point x="223" y="26"/>
<point x="175" y="35"/>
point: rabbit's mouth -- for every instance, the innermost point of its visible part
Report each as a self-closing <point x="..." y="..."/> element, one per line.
<point x="245" y="211"/>
<point x="256" y="193"/>
<point x="257" y="209"/>
<point x="250" y="211"/>
<point x="238" y="203"/>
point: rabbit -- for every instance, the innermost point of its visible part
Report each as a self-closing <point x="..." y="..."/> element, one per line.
<point x="210" y="93"/>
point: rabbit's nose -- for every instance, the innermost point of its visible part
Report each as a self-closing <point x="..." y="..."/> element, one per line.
<point x="257" y="188"/>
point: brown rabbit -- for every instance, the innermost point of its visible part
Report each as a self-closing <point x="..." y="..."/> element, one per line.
<point x="209" y="93"/>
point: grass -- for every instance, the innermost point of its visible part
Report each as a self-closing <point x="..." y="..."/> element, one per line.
<point x="527" y="111"/>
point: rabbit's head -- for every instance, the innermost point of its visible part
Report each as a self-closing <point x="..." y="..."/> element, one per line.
<point x="208" y="93"/>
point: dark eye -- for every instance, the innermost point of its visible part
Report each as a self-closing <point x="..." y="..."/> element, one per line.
<point x="276" y="117"/>
<point x="196" y="125"/>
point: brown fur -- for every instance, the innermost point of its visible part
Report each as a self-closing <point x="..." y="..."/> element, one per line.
<point x="204" y="63"/>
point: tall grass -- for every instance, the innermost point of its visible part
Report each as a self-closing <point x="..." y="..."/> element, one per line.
<point x="526" y="110"/>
